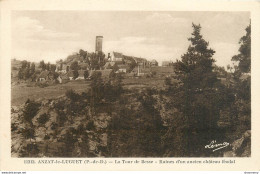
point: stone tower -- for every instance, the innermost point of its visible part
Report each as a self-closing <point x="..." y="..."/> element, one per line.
<point x="99" y="40"/>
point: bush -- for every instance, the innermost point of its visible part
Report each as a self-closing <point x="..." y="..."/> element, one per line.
<point x="13" y="127"/>
<point x="90" y="125"/>
<point x="43" y="118"/>
<point x="47" y="137"/>
<point x="30" y="110"/>
<point x="72" y="95"/>
<point x="42" y="85"/>
<point x="31" y="150"/>
<point x="54" y="126"/>
<point x="28" y="133"/>
<point x="154" y="73"/>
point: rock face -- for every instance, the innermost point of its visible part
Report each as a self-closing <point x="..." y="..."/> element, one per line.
<point x="73" y="129"/>
<point x="53" y="135"/>
<point x="241" y="147"/>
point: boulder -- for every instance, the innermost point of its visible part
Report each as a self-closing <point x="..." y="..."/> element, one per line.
<point x="240" y="147"/>
<point x="103" y="139"/>
<point x="14" y="109"/>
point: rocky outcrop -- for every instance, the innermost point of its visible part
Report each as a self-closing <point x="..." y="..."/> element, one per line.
<point x="241" y="147"/>
<point x="91" y="130"/>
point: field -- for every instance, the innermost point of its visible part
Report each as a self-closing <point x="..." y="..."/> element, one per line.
<point x="22" y="91"/>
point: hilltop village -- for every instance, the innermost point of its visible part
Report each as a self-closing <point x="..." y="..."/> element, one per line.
<point x="93" y="104"/>
<point x="84" y="64"/>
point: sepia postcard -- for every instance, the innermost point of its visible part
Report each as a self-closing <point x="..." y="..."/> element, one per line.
<point x="129" y="85"/>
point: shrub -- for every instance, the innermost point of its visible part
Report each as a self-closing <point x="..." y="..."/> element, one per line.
<point x="31" y="150"/>
<point x="72" y="95"/>
<point x="90" y="125"/>
<point x="13" y="127"/>
<point x="54" y="126"/>
<point x="43" y="118"/>
<point x="47" y="137"/>
<point x="42" y="85"/>
<point x="28" y="133"/>
<point x="154" y="73"/>
<point x="30" y="110"/>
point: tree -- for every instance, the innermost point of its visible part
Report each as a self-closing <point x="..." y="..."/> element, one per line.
<point x="48" y="66"/>
<point x="96" y="91"/>
<point x="28" y="65"/>
<point x="113" y="88"/>
<point x="97" y="60"/>
<point x="243" y="86"/>
<point x="42" y="65"/>
<point x="132" y="65"/>
<point x="94" y="62"/>
<point x="24" y="64"/>
<point x="33" y="77"/>
<point x="74" y="66"/>
<point x="32" y="70"/>
<point x="242" y="82"/>
<point x="97" y="85"/>
<point x="30" y="110"/>
<point x="55" y="75"/>
<point x="83" y="53"/>
<point x="149" y="126"/>
<point x="72" y="95"/>
<point x="20" y="75"/>
<point x="86" y="74"/>
<point x="26" y="73"/>
<point x="117" y="86"/>
<point x="244" y="56"/>
<point x="43" y="119"/>
<point x="52" y="68"/>
<point x="196" y="97"/>
<point x="69" y="141"/>
<point x="136" y="132"/>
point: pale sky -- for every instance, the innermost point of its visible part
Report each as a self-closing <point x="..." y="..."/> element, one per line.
<point x="53" y="35"/>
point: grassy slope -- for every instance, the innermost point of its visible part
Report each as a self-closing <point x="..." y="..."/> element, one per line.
<point x="21" y="92"/>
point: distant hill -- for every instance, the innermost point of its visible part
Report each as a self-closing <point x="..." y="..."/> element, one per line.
<point x="16" y="63"/>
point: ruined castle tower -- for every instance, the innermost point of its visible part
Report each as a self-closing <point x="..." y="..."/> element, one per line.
<point x="99" y="40"/>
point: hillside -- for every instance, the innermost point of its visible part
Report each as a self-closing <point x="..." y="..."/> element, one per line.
<point x="133" y="124"/>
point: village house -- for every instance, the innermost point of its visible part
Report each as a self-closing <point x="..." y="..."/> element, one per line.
<point x="84" y="66"/>
<point x="128" y="60"/>
<point x="81" y="75"/>
<point x="134" y="71"/>
<point x="153" y="62"/>
<point x="70" y="75"/>
<point x="138" y="71"/>
<point x="46" y="76"/>
<point x="132" y="74"/>
<point x="142" y="62"/>
<point x="63" y="78"/>
<point x="116" y="57"/>
<point x="167" y="63"/>
<point x="110" y="65"/>
<point x="105" y="74"/>
<point x="64" y="69"/>
<point x="123" y="69"/>
<point x="61" y="67"/>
